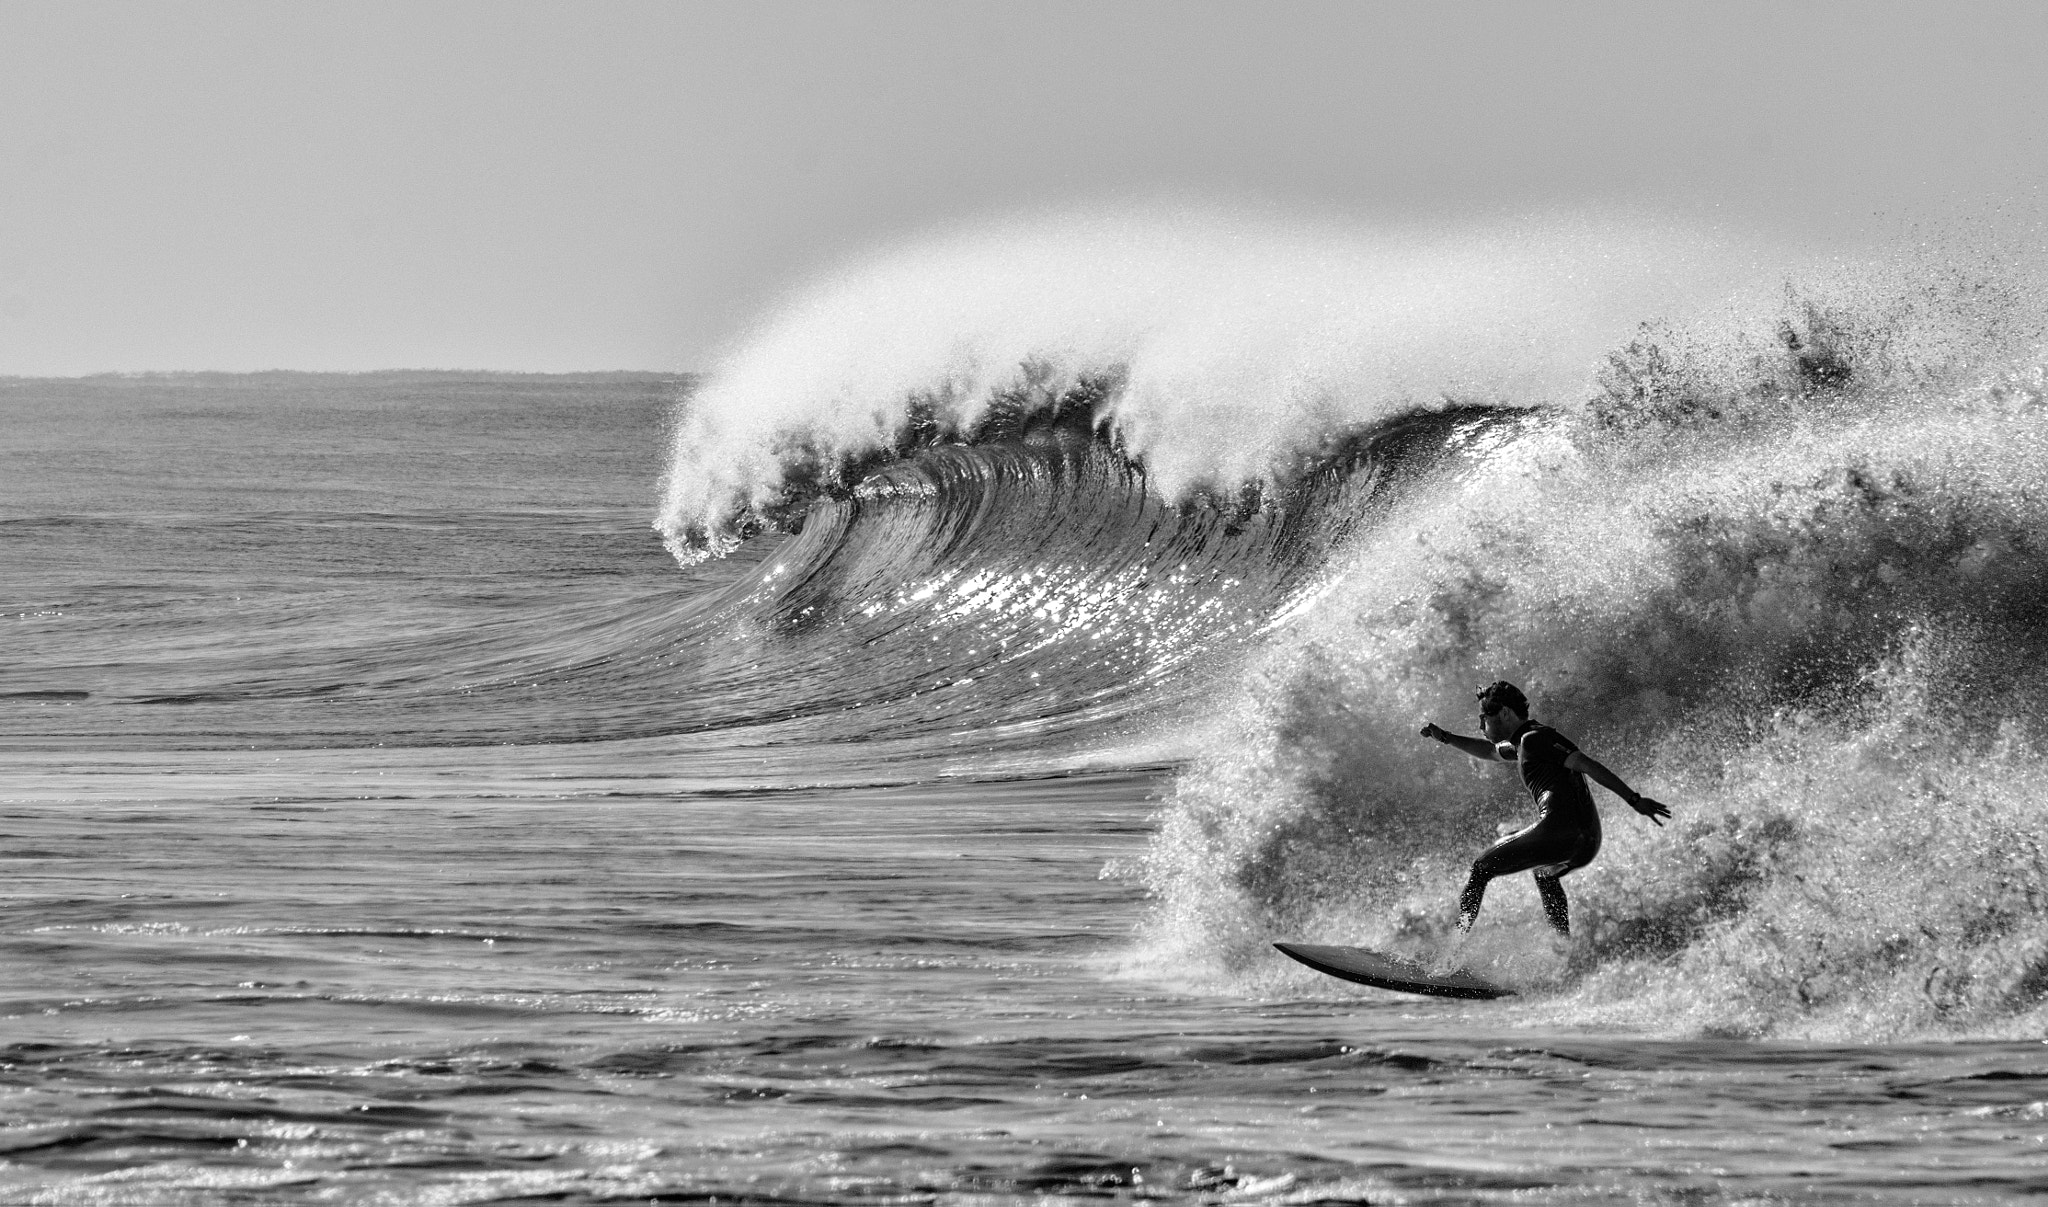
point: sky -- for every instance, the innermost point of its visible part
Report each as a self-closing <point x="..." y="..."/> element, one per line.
<point x="575" y="186"/>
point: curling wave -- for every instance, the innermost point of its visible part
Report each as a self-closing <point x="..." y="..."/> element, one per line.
<point x="1218" y="350"/>
<point x="1005" y="605"/>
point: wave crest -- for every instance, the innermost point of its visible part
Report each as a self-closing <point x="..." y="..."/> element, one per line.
<point x="1212" y="348"/>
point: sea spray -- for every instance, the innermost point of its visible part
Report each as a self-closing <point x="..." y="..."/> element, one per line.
<point x="1788" y="581"/>
<point x="1876" y="874"/>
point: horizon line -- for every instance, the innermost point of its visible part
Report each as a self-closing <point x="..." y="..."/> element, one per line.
<point x="149" y="374"/>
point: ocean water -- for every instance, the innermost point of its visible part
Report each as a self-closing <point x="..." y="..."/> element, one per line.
<point x="875" y="772"/>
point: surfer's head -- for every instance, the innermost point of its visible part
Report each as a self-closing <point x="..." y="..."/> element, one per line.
<point x="1502" y="707"/>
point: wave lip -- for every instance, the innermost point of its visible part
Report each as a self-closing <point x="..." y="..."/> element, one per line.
<point x="1215" y="349"/>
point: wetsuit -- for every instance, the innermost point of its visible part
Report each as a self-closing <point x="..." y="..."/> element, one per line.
<point x="1567" y="836"/>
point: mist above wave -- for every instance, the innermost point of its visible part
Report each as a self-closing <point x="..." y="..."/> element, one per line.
<point x="1210" y="347"/>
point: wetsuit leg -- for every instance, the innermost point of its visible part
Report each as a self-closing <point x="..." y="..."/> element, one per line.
<point x="1469" y="900"/>
<point x="1555" y="907"/>
<point x="1518" y="852"/>
<point x="1550" y="880"/>
<point x="1551" y="846"/>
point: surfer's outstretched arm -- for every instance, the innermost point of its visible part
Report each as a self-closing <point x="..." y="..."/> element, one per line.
<point x="1478" y="748"/>
<point x="1590" y="767"/>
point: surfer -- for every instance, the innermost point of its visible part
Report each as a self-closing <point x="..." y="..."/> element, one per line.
<point x="1567" y="835"/>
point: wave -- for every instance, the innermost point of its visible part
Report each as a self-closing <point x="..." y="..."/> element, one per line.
<point x="1778" y="561"/>
<point x="1787" y="580"/>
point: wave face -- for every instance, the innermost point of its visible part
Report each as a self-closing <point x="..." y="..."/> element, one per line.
<point x="1003" y="608"/>
<point x="998" y="605"/>
<point x="1789" y="581"/>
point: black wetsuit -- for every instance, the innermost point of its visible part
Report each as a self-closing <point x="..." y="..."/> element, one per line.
<point x="1567" y="836"/>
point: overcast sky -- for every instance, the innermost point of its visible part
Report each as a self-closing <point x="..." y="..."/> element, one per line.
<point x="558" y="186"/>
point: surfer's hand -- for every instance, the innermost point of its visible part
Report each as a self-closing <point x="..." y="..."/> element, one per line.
<point x="1649" y="808"/>
<point x="1431" y="730"/>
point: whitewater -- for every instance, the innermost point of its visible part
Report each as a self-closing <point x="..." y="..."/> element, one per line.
<point x="1033" y="625"/>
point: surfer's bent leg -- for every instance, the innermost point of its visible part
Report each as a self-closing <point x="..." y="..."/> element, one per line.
<point x="1469" y="900"/>
<point x="1555" y="907"/>
<point x="1550" y="881"/>
<point x="1518" y="852"/>
<point x="1547" y="846"/>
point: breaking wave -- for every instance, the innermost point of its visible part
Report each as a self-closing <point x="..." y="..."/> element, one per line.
<point x="1777" y="559"/>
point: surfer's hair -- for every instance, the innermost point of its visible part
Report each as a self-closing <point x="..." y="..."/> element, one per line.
<point x="1502" y="694"/>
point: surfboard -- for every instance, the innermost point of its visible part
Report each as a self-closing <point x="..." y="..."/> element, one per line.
<point x="1383" y="971"/>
